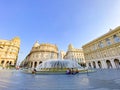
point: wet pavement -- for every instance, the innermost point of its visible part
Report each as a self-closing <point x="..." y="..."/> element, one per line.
<point x="99" y="80"/>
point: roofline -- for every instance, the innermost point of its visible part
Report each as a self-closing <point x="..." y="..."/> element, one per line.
<point x="111" y="31"/>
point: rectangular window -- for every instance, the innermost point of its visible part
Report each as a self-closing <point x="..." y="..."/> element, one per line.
<point x="101" y="44"/>
<point x="116" y="38"/>
<point x="108" y="41"/>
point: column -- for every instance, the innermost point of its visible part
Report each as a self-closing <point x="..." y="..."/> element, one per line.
<point x="96" y="64"/>
<point x="37" y="63"/>
<point x="112" y="40"/>
<point x="87" y="64"/>
<point x="33" y="64"/>
<point x="91" y="64"/>
<point x="29" y="65"/>
<point x="113" y="63"/>
<point x="4" y="64"/>
<point x="104" y="65"/>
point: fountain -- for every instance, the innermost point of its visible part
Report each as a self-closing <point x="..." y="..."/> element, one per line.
<point x="58" y="67"/>
<point x="59" y="64"/>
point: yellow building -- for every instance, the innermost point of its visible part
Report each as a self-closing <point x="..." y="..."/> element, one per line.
<point x="104" y="52"/>
<point x="75" y="54"/>
<point x="9" y="50"/>
<point x="40" y="53"/>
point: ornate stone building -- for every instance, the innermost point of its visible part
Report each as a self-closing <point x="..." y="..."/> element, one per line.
<point x="104" y="52"/>
<point x="9" y="50"/>
<point x="75" y="54"/>
<point x="39" y="53"/>
<point x="61" y="55"/>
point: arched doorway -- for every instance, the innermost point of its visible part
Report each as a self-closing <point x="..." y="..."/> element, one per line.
<point x="99" y="64"/>
<point x="10" y="62"/>
<point x="31" y="64"/>
<point x="40" y="62"/>
<point x="89" y="65"/>
<point x="35" y="64"/>
<point x="94" y="65"/>
<point x="116" y="61"/>
<point x="2" y="62"/>
<point x="7" y="62"/>
<point x="109" y="65"/>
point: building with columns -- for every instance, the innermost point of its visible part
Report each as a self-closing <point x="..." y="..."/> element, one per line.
<point x="40" y="53"/>
<point x="9" y="50"/>
<point x="104" y="51"/>
<point x="75" y="54"/>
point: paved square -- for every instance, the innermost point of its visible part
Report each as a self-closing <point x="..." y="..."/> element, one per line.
<point x="99" y="80"/>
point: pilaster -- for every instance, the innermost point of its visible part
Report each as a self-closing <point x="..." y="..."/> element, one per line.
<point x="96" y="64"/>
<point x="33" y="64"/>
<point x="113" y="63"/>
<point x="104" y="65"/>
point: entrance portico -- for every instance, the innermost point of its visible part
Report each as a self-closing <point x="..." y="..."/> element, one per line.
<point x="104" y="64"/>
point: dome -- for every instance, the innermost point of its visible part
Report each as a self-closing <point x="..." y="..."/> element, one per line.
<point x="70" y="47"/>
<point x="16" y="39"/>
<point x="36" y="44"/>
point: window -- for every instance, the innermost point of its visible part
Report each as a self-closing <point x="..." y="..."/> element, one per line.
<point x="116" y="38"/>
<point x="108" y="41"/>
<point x="95" y="47"/>
<point x="101" y="44"/>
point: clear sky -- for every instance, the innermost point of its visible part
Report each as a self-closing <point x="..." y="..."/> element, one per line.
<point x="57" y="21"/>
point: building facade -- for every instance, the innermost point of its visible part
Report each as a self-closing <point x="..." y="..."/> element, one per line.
<point x="104" y="52"/>
<point x="9" y="50"/>
<point x="40" y="53"/>
<point x="75" y="54"/>
<point x="62" y="54"/>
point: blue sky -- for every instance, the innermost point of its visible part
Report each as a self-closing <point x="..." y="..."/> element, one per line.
<point x="57" y="21"/>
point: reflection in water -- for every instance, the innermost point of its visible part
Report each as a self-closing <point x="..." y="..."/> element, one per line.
<point x="84" y="81"/>
<point x="16" y="80"/>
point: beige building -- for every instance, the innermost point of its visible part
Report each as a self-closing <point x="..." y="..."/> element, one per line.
<point x="104" y="52"/>
<point x="39" y="53"/>
<point x="75" y="54"/>
<point x="61" y="55"/>
<point x="9" y="50"/>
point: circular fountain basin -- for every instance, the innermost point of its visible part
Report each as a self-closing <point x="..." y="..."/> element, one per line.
<point x="58" y="67"/>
